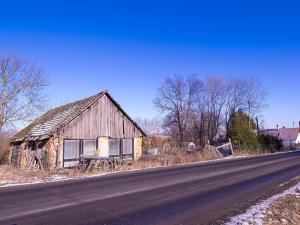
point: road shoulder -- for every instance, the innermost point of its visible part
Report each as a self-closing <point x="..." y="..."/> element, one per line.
<point x="282" y="207"/>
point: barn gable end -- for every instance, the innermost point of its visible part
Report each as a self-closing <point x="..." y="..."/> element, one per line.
<point x="103" y="118"/>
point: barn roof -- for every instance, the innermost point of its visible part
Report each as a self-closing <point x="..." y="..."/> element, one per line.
<point x="56" y="118"/>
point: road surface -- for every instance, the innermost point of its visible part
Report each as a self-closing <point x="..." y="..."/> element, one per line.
<point x="192" y="194"/>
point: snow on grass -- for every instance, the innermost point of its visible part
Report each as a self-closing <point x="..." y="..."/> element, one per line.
<point x="57" y="177"/>
<point x="256" y="214"/>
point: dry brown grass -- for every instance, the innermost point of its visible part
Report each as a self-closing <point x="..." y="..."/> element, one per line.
<point x="4" y="148"/>
<point x="285" y="211"/>
<point x="11" y="175"/>
<point x="172" y="158"/>
<point x="147" y="161"/>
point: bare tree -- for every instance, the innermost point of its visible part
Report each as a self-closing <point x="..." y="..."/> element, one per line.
<point x="210" y="108"/>
<point x="175" y="98"/>
<point x="21" y="86"/>
<point x="150" y="126"/>
<point x="246" y="95"/>
<point x="235" y="100"/>
<point x="254" y="98"/>
<point x="201" y="111"/>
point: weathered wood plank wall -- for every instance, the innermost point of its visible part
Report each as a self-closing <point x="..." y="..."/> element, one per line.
<point x="102" y="119"/>
<point x="15" y="155"/>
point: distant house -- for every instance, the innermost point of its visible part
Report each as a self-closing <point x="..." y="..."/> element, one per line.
<point x="289" y="136"/>
<point x="94" y="126"/>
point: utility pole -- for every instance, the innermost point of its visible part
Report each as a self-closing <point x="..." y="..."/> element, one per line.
<point x="257" y="126"/>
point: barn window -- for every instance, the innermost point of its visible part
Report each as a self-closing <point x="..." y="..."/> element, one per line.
<point x="127" y="146"/>
<point x="122" y="148"/>
<point x="114" y="147"/>
<point x="89" y="147"/>
<point x="74" y="148"/>
<point x="71" y="152"/>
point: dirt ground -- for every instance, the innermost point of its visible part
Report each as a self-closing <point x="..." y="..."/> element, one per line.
<point x="285" y="211"/>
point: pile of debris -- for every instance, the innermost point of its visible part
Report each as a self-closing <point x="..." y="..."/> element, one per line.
<point x="221" y="151"/>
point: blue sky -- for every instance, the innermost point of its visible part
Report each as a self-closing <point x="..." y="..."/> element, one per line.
<point x="129" y="47"/>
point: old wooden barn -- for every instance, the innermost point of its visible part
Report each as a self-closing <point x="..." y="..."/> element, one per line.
<point x="95" y="126"/>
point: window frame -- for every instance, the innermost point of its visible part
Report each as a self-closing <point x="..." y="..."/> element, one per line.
<point x="82" y="144"/>
<point x="120" y="148"/>
<point x="121" y="151"/>
<point x="80" y="149"/>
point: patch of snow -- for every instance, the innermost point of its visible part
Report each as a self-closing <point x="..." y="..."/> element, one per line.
<point x="256" y="214"/>
<point x="99" y="174"/>
<point x="20" y="184"/>
<point x="6" y="182"/>
<point x="57" y="177"/>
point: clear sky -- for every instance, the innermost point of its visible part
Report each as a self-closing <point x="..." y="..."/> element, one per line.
<point x="129" y="47"/>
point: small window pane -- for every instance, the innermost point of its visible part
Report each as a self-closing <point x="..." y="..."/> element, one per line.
<point x="89" y="147"/>
<point x="71" y="149"/>
<point x="114" y="147"/>
<point x="127" y="146"/>
<point x="71" y="153"/>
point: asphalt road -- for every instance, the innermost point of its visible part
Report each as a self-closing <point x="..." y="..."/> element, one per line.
<point x="194" y="194"/>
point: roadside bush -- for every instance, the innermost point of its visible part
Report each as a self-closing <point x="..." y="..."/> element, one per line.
<point x="4" y="148"/>
<point x="270" y="143"/>
<point x="241" y="132"/>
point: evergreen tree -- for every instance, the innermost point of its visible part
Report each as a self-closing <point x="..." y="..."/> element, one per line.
<point x="241" y="130"/>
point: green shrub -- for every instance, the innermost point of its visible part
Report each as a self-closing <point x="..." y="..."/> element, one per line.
<point x="241" y="132"/>
<point x="270" y="143"/>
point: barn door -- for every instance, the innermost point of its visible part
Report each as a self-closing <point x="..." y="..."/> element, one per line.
<point x="71" y="153"/>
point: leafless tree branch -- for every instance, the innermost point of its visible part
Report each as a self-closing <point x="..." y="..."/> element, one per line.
<point x="21" y="86"/>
